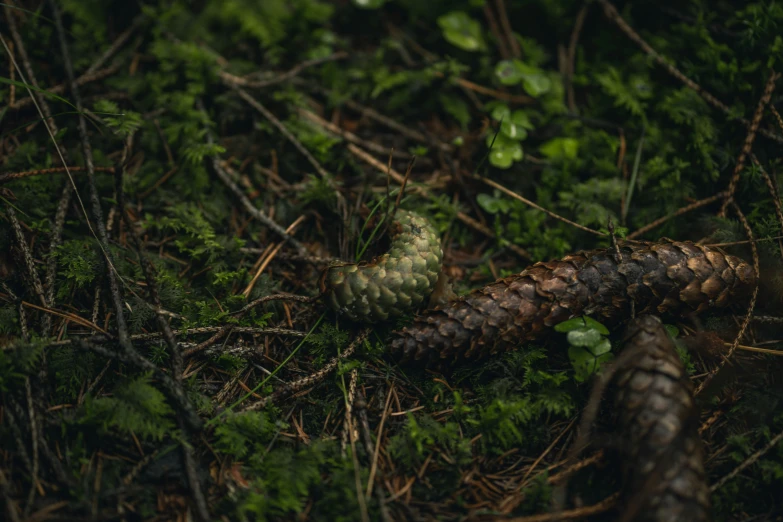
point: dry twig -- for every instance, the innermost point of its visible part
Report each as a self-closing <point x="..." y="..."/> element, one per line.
<point x="613" y="15"/>
<point x="281" y="77"/>
<point x="748" y="145"/>
<point x="312" y="379"/>
<point x="420" y="189"/>
<point x="751" y="305"/>
<point x="747" y="462"/>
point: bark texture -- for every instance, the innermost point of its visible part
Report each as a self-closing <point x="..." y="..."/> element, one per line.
<point x="662" y="461"/>
<point x="659" y="277"/>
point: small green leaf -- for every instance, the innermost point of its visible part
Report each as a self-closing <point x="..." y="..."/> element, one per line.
<point x="603" y="347"/>
<point x="536" y="84"/>
<point x="560" y="149"/>
<point x="579" y="322"/>
<point x="513" y="72"/>
<point x="504" y="156"/>
<point x="508" y="73"/>
<point x="672" y="330"/>
<point x="369" y="4"/>
<point x="513" y="131"/>
<point x="584" y="336"/>
<point x="586" y="363"/>
<point x="462" y="31"/>
<point x="457" y="108"/>
<point x="492" y="204"/>
<point x="505" y="152"/>
<point x="501" y="112"/>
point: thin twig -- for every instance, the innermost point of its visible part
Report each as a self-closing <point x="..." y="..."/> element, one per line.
<point x="748" y="145"/>
<point x="290" y="230"/>
<point x="10" y="506"/>
<point x="746" y="242"/>
<point x="370" y="448"/>
<point x="251" y="209"/>
<point x="422" y="190"/>
<point x="66" y="315"/>
<point x="493" y="26"/>
<point x="512" y="41"/>
<point x="275" y="297"/>
<point x="95" y="382"/>
<point x="20" y="308"/>
<point x="310" y="380"/>
<point x="11" y="176"/>
<point x="349" y="418"/>
<point x="27" y="256"/>
<point x="290" y="137"/>
<point x="191" y="331"/>
<point x="9" y="416"/>
<point x="41" y="99"/>
<point x="613" y="15"/>
<point x="557" y="478"/>
<point x="170" y="387"/>
<point x="773" y="192"/>
<point x="202" y="511"/>
<point x="751" y="305"/>
<point x="46" y="113"/>
<point x="152" y="288"/>
<point x="537" y="207"/>
<point x="50" y="128"/>
<point x="281" y="77"/>
<point x="378" y="117"/>
<point x="113" y="48"/>
<point x="767" y="319"/>
<point x="348" y="136"/>
<point x="575" y="33"/>
<point x="541" y="457"/>
<point x="31" y="412"/>
<point x="684" y="210"/>
<point x="55" y="239"/>
<point x="471" y="86"/>
<point x="755" y="349"/>
<point x="129" y="353"/>
<point x="577" y="513"/>
<point x="59" y="89"/>
<point x="376" y="451"/>
<point x="747" y="462"/>
<point x="238" y="314"/>
<point x="12" y="74"/>
<point x="775" y="113"/>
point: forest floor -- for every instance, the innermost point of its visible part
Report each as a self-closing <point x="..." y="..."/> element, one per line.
<point x="175" y="177"/>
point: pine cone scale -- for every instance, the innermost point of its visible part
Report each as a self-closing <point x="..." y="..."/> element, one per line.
<point x="662" y="465"/>
<point x="659" y="277"/>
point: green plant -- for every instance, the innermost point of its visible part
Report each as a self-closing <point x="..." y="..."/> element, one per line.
<point x="589" y="349"/>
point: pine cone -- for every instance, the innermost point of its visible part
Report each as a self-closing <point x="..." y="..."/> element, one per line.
<point x="650" y="277"/>
<point x="392" y="284"/>
<point x="663" y="465"/>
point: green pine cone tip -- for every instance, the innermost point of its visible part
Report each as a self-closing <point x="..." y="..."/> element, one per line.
<point x="394" y="283"/>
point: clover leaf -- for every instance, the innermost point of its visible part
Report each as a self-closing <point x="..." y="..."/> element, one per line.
<point x="585" y="337"/>
<point x="505" y="151"/>
<point x="579" y="322"/>
<point x="589" y="350"/>
<point x="461" y="30"/>
<point x="516" y="125"/>
<point x="493" y="204"/>
<point x="587" y="361"/>
<point x="513" y="72"/>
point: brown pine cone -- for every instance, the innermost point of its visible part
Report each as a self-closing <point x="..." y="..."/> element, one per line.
<point x="663" y="462"/>
<point x="651" y="277"/>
